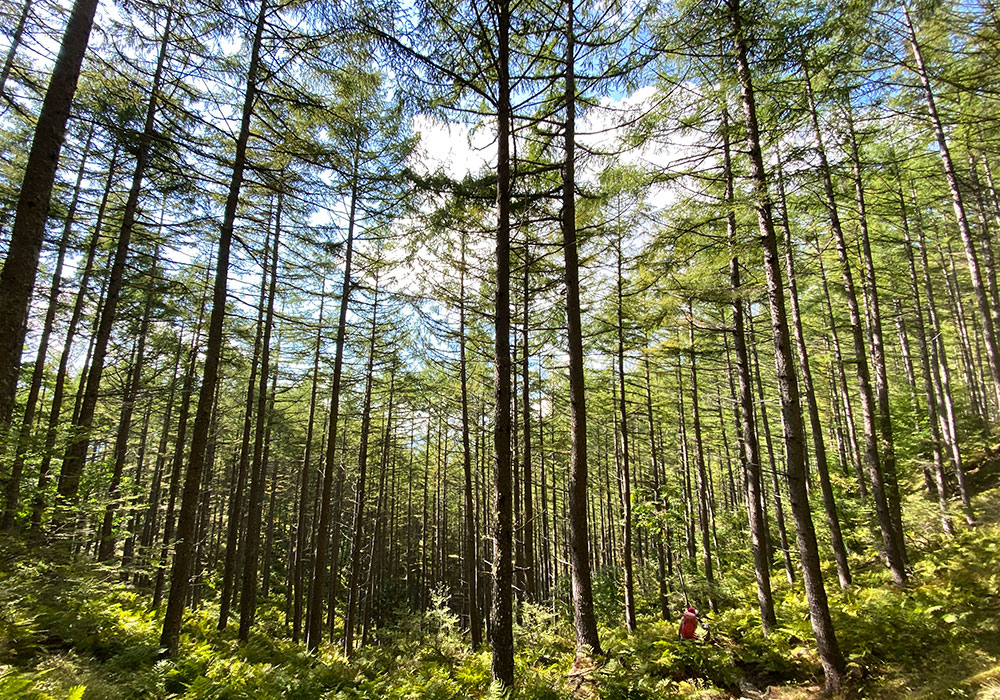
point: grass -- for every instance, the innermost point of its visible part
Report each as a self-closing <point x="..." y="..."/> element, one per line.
<point x="69" y="629"/>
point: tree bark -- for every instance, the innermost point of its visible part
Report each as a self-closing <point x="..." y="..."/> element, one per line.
<point x="930" y="393"/>
<point x="13" y="486"/>
<point x="17" y="280"/>
<point x="302" y="520"/>
<point x="989" y="318"/>
<point x="314" y="622"/>
<point x="106" y="548"/>
<point x="585" y="622"/>
<point x="353" y="588"/>
<point x="702" y="473"/>
<point x="235" y="540"/>
<point x="942" y="379"/>
<point x="809" y="390"/>
<point x="819" y="612"/>
<point x="748" y="428"/>
<point x="15" y="43"/>
<point x="626" y="486"/>
<point x="59" y="389"/>
<point x="183" y="559"/>
<point x="471" y="548"/>
<point x="76" y="451"/>
<point x="255" y="504"/>
<point x="887" y="443"/>
<point x="891" y="539"/>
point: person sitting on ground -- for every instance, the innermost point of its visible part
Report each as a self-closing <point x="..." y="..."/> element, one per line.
<point x="690" y="623"/>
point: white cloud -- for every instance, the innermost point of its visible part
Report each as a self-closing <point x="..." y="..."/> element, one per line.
<point x="451" y="146"/>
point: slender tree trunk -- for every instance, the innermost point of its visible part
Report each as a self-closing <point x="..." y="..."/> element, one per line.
<point x="176" y="469"/>
<point x="17" y="280"/>
<point x="626" y="486"/>
<point x="353" y="587"/>
<point x="840" y="385"/>
<point x="235" y="541"/>
<point x="989" y="318"/>
<point x="76" y="452"/>
<point x="887" y="443"/>
<point x="501" y="623"/>
<point x="930" y="394"/>
<point x="748" y="428"/>
<point x="248" y="587"/>
<point x="661" y="576"/>
<point x="699" y="452"/>
<point x="587" y="641"/>
<point x="819" y="612"/>
<point x="471" y="549"/>
<point x="972" y="375"/>
<point x="265" y="585"/>
<point x="772" y="462"/>
<point x="128" y="548"/>
<point x="180" y="575"/>
<point x="338" y="501"/>
<point x="302" y="523"/>
<point x="942" y="379"/>
<point x="15" y="43"/>
<point x="314" y="622"/>
<point x="809" y="390"/>
<point x="527" y="505"/>
<point x="150" y="520"/>
<point x="905" y="351"/>
<point x="891" y="539"/>
<point x="685" y="466"/>
<point x="12" y="488"/>
<point x="59" y="389"/>
<point x="107" y="539"/>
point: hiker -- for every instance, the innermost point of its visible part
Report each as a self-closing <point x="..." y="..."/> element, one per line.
<point x="690" y="623"/>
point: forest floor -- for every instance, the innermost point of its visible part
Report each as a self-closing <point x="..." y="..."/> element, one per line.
<point x="70" y="629"/>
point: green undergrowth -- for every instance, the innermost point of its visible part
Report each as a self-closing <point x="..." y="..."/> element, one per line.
<point x="70" y="629"/>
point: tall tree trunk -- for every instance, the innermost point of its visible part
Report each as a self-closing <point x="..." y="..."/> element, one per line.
<point x="76" y="452"/>
<point x="748" y="428"/>
<point x="471" y="549"/>
<point x="13" y="486"/>
<point x="942" y="379"/>
<point x="235" y="540"/>
<point x="527" y="505"/>
<point x="15" y="43"/>
<point x="501" y="623"/>
<point x="314" y="620"/>
<point x="685" y="467"/>
<point x="176" y="469"/>
<point x="989" y="318"/>
<point x="17" y="280"/>
<point x="353" y="587"/>
<point x="183" y="558"/>
<point x="587" y="641"/>
<point x="106" y="548"/>
<point x="819" y="611"/>
<point x="772" y="462"/>
<point x="302" y="522"/>
<point x="930" y="393"/>
<point x="808" y="388"/>
<point x="887" y="443"/>
<point x="891" y="539"/>
<point x="151" y="517"/>
<point x="840" y="383"/>
<point x="626" y="486"/>
<point x="59" y="388"/>
<point x="702" y="472"/>
<point x="255" y="505"/>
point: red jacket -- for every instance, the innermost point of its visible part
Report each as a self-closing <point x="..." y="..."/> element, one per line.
<point x="688" y="625"/>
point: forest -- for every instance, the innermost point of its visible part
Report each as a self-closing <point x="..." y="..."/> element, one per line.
<point x="451" y="349"/>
